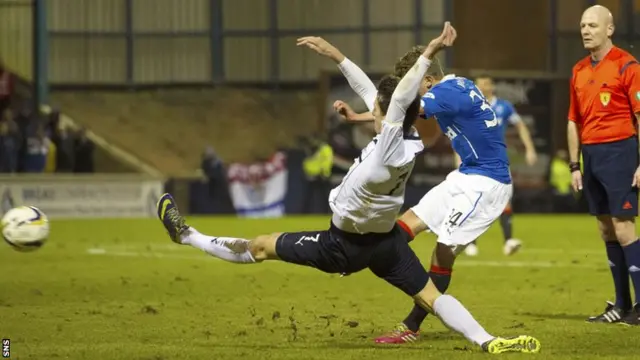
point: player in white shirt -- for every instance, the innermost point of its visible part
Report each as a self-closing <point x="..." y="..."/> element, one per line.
<point x="461" y="208"/>
<point x="363" y="232"/>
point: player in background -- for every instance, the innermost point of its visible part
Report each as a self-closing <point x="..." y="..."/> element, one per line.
<point x="603" y="120"/>
<point x="364" y="232"/>
<point x="506" y="115"/>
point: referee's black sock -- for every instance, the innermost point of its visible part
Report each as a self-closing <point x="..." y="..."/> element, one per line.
<point x="441" y="278"/>
<point x="620" y="271"/>
<point x="632" y="257"/>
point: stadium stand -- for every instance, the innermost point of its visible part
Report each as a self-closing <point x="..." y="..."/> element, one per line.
<point x="152" y="124"/>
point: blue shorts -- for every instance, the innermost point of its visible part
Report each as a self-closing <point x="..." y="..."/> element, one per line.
<point x="388" y="255"/>
<point x="607" y="178"/>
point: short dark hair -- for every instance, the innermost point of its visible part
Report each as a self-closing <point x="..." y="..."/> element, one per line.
<point x="406" y="62"/>
<point x="386" y="87"/>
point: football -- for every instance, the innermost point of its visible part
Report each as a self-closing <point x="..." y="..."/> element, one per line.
<point x="25" y="228"/>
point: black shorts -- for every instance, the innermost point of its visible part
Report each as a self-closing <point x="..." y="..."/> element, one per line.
<point x="335" y="251"/>
<point x="607" y="178"/>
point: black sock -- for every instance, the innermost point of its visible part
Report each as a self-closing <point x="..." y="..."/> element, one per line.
<point x="620" y="272"/>
<point x="505" y="223"/>
<point x="441" y="278"/>
<point x="632" y="257"/>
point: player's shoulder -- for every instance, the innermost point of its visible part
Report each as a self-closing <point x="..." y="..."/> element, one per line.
<point x="451" y="85"/>
<point x="502" y="105"/>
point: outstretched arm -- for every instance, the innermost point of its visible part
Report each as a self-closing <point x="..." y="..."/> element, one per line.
<point x="346" y="112"/>
<point x="358" y="80"/>
<point x="391" y="137"/>
<point x="407" y="89"/>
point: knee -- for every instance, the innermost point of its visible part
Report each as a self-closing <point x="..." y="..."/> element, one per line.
<point x="508" y="209"/>
<point x="414" y="223"/>
<point x="625" y="231"/>
<point x="263" y="247"/>
<point x="444" y="256"/>
<point x="607" y="231"/>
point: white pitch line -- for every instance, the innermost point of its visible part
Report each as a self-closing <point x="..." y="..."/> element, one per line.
<point x="139" y="247"/>
<point x="560" y="251"/>
<point x="524" y="264"/>
<point x="177" y="248"/>
<point x="461" y="262"/>
<point x="100" y="251"/>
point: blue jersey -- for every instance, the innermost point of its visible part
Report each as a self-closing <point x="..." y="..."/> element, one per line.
<point x="465" y="116"/>
<point x="505" y="112"/>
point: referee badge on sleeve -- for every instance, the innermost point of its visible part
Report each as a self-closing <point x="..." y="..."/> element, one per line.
<point x="605" y="97"/>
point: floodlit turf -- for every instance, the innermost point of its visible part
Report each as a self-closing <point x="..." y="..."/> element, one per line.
<point x="119" y="289"/>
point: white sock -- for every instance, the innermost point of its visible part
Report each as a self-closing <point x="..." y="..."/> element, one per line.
<point x="455" y="316"/>
<point x="220" y="247"/>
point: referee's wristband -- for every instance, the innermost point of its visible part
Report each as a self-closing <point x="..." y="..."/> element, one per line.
<point x="574" y="166"/>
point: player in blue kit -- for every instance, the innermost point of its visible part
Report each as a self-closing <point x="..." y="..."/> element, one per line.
<point x="464" y="206"/>
<point x="472" y="197"/>
<point x="506" y="115"/>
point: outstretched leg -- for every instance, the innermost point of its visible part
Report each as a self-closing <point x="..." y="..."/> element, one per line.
<point x="317" y="249"/>
<point x="231" y="249"/>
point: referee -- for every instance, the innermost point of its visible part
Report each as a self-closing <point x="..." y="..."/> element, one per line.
<point x="603" y="112"/>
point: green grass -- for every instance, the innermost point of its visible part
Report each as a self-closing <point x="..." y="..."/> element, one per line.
<point x="139" y="296"/>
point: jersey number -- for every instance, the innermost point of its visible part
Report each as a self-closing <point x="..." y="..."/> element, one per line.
<point x="454" y="218"/>
<point x="401" y="180"/>
<point x="484" y="107"/>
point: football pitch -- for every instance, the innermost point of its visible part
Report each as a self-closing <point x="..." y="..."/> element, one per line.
<point x="119" y="289"/>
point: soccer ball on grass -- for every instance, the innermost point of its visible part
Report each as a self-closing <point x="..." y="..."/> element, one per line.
<point x="25" y="228"/>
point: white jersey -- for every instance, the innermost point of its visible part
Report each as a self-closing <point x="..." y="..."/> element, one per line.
<point x="371" y="194"/>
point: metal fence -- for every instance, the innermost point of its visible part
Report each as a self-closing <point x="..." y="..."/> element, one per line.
<point x="137" y="42"/>
<point x="157" y="42"/>
<point x="16" y="36"/>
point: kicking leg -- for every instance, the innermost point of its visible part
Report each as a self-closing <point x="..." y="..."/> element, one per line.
<point x="396" y="263"/>
<point x="456" y="317"/>
<point x="234" y="250"/>
<point x="442" y="261"/>
<point x="318" y="249"/>
<point x="231" y="249"/>
<point x="441" y="265"/>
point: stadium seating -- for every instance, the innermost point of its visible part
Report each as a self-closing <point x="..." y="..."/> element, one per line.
<point x="169" y="129"/>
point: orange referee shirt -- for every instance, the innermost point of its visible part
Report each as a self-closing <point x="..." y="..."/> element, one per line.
<point x="605" y="97"/>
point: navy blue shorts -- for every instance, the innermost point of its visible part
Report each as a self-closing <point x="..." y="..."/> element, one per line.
<point x="334" y="251"/>
<point x="607" y="178"/>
